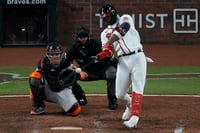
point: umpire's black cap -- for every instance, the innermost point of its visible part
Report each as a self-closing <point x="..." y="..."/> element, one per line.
<point x="82" y="32"/>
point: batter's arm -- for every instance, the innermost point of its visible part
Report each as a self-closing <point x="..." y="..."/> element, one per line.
<point x="107" y="49"/>
<point x="112" y="39"/>
<point x="119" y="32"/>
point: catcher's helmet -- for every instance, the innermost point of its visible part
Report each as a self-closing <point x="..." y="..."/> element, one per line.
<point x="54" y="48"/>
<point x="82" y="32"/>
<point x="54" y="53"/>
<point x="109" y="11"/>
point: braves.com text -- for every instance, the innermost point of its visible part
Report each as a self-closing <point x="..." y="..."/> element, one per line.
<point x="26" y="2"/>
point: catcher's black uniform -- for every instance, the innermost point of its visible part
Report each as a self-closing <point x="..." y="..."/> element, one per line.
<point x="52" y="73"/>
<point x="52" y="81"/>
<point x="102" y="70"/>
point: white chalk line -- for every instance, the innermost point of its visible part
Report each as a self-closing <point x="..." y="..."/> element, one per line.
<point x="66" y="128"/>
<point x="106" y="95"/>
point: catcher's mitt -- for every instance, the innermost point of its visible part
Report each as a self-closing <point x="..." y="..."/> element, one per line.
<point x="67" y="78"/>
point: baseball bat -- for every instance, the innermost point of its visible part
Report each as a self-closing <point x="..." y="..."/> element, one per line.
<point x="94" y="60"/>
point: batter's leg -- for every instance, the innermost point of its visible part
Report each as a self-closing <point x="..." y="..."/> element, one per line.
<point x="123" y="81"/>
<point x="138" y="76"/>
<point x="122" y="86"/>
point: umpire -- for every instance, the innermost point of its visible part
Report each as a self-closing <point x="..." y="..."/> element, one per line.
<point x="81" y="54"/>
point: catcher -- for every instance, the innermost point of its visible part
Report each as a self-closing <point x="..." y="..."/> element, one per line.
<point x="52" y="81"/>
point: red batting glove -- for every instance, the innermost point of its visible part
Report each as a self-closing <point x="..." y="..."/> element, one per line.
<point x="106" y="52"/>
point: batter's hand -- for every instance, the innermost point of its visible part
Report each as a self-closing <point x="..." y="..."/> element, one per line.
<point x="106" y="52"/>
<point x="148" y="59"/>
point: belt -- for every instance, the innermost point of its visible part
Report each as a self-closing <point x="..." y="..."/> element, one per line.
<point x="134" y="52"/>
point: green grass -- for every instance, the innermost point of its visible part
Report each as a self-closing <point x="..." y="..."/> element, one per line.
<point x="173" y="86"/>
<point x="13" y="88"/>
<point x="153" y="86"/>
<point x="22" y="71"/>
<point x="178" y="69"/>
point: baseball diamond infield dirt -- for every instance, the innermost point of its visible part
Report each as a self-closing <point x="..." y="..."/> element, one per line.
<point x="160" y="114"/>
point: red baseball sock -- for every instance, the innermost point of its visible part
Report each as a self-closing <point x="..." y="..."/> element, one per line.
<point x="136" y="103"/>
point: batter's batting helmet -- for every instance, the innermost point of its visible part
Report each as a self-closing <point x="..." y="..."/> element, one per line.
<point x="109" y="11"/>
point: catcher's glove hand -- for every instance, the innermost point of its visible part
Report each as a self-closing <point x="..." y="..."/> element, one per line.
<point x="67" y="78"/>
<point x="83" y="75"/>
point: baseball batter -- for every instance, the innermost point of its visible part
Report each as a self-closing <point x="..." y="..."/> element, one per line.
<point x="122" y="36"/>
<point x="47" y="82"/>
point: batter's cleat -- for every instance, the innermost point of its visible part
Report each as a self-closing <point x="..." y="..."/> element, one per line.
<point x="37" y="111"/>
<point x="127" y="113"/>
<point x="132" y="122"/>
<point x="113" y="104"/>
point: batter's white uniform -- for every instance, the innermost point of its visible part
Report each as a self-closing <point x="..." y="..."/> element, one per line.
<point x="131" y="69"/>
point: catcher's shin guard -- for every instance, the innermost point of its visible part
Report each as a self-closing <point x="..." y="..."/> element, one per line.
<point x="37" y="107"/>
<point x="74" y="110"/>
<point x="136" y="103"/>
<point x="36" y="89"/>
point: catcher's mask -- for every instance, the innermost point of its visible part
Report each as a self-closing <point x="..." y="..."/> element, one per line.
<point x="54" y="53"/>
<point x="109" y="12"/>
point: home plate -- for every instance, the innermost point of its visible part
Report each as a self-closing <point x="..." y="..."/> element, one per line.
<point x="66" y="128"/>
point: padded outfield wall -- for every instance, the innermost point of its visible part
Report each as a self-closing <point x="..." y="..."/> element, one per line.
<point x="158" y="21"/>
